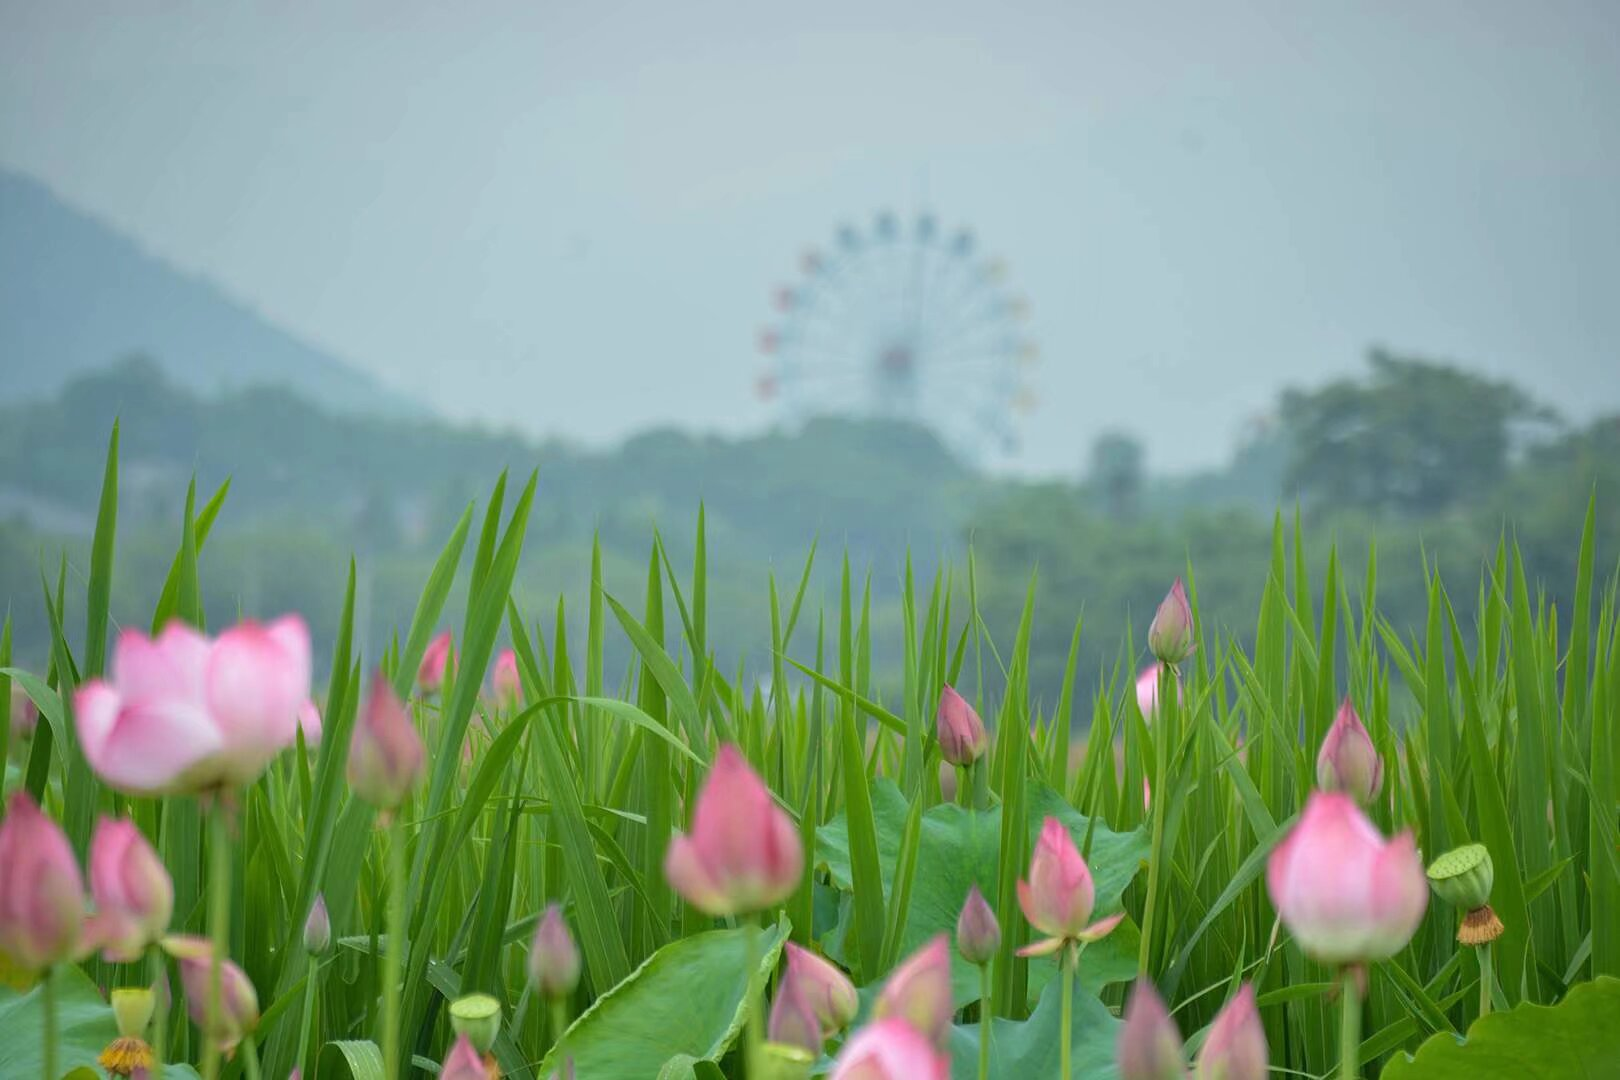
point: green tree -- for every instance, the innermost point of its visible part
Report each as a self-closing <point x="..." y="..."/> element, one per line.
<point x="1116" y="472"/>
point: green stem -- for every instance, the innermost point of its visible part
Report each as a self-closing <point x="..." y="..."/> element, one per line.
<point x="1161" y="757"/>
<point x="394" y="954"/>
<point x="160" y="1015"/>
<point x="559" y="1027"/>
<point x="250" y="1058"/>
<point x="219" y="915"/>
<point x="984" y="1021"/>
<point x="1065" y="1049"/>
<point x="1350" y="1027"/>
<point x="1486" y="977"/>
<point x="47" y="1004"/>
<point x="756" y="1011"/>
<point x="964" y="786"/>
<point x="307" y="1022"/>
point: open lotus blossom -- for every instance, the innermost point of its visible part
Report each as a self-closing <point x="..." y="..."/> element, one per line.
<point x="182" y="713"/>
<point x="919" y="991"/>
<point x="435" y="662"/>
<point x="1348" y="760"/>
<point x="464" y="1062"/>
<point x="1170" y="637"/>
<point x="504" y="681"/>
<point x="978" y="934"/>
<point x="1149" y="1046"/>
<point x="890" y="1050"/>
<point x="793" y="1022"/>
<point x="309" y="722"/>
<point x="41" y="892"/>
<point x="239" y="1003"/>
<point x="386" y="755"/>
<point x="1235" y="1048"/>
<point x="962" y="740"/>
<point x="553" y="956"/>
<point x="133" y="894"/>
<point x="1059" y="895"/>
<point x="1344" y="892"/>
<point x="825" y="988"/>
<point x="743" y="853"/>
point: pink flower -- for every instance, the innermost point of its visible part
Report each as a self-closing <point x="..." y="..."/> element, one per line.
<point x="962" y="740"/>
<point x="1147" y="691"/>
<point x="793" y="1021"/>
<point x="1059" y="896"/>
<point x="185" y="714"/>
<point x="890" y="1050"/>
<point x="553" y="957"/>
<point x="919" y="991"/>
<point x="464" y="1062"/>
<point x="1149" y="1045"/>
<point x="1348" y="761"/>
<point x="318" y="927"/>
<point x="24" y="713"/>
<point x="505" y="681"/>
<point x="41" y="892"/>
<point x="386" y="755"/>
<point x="826" y="989"/>
<point x="1346" y="893"/>
<point x="435" y="661"/>
<point x="1170" y="637"/>
<point x="309" y="722"/>
<point x="1235" y="1048"/>
<point x="743" y="853"/>
<point x="239" y="1003"/>
<point x="978" y="934"/>
<point x="134" y="896"/>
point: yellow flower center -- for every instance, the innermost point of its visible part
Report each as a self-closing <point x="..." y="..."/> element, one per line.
<point x="124" y="1055"/>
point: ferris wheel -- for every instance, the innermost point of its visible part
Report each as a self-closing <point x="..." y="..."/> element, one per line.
<point x="901" y="320"/>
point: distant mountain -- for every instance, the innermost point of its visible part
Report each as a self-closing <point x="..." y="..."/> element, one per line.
<point x="76" y="294"/>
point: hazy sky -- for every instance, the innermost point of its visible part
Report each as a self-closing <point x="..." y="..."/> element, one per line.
<point x="569" y="217"/>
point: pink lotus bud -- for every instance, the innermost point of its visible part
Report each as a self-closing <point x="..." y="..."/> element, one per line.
<point x="464" y="1062"/>
<point x="506" y="682"/>
<point x="743" y="853"/>
<point x="890" y="1050"/>
<point x="182" y="714"/>
<point x="978" y="934"/>
<point x="919" y="991"/>
<point x="1149" y="1045"/>
<point x="239" y="1003"/>
<point x="1059" y="896"/>
<point x="962" y="740"/>
<point x="24" y="713"/>
<point x="553" y="957"/>
<point x="1344" y="892"/>
<point x="827" y="990"/>
<point x="309" y="722"/>
<point x="1235" y="1048"/>
<point x="386" y="755"/>
<point x="318" y="928"/>
<point x="41" y="892"/>
<point x="793" y="1022"/>
<point x="435" y="662"/>
<point x="133" y="894"/>
<point x="1170" y="637"/>
<point x="1348" y="761"/>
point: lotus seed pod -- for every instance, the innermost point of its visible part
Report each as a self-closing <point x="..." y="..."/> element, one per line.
<point x="478" y="1017"/>
<point x="783" y="1061"/>
<point x="1463" y="876"/>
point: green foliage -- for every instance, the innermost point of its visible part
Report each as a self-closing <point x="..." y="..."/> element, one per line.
<point x="1577" y="1039"/>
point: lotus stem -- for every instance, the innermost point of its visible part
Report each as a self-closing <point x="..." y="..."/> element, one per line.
<point x="1071" y="960"/>
<point x="219" y="916"/>
<point x="559" y="1027"/>
<point x="1161" y="758"/>
<point x="985" y="1013"/>
<point x="1486" y="977"/>
<point x="47" y="1004"/>
<point x="160" y="1016"/>
<point x="394" y="953"/>
<point x="1350" y="1027"/>
<point x="755" y="1036"/>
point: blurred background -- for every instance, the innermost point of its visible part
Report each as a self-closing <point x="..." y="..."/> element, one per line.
<point x="1098" y="289"/>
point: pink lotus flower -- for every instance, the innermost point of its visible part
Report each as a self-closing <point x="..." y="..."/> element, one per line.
<point x="505" y="681"/>
<point x="464" y="1062"/>
<point x="825" y="988"/>
<point x="24" y="713"/>
<point x="134" y="896"/>
<point x="553" y="957"/>
<point x="1235" y="1048"/>
<point x="1348" y="760"/>
<point x="435" y="662"/>
<point x="743" y="853"/>
<point x="793" y="1022"/>
<point x="1149" y="1045"/>
<point x="890" y="1050"/>
<point x="386" y="755"/>
<point x="962" y="740"/>
<point x="318" y="927"/>
<point x="919" y="991"/>
<point x="309" y="722"/>
<point x="41" y="892"/>
<point x="1170" y="637"/>
<point x="1147" y="691"/>
<point x="1059" y="896"/>
<point x="185" y="714"/>
<point x="239" y="1003"/>
<point x="978" y="934"/>
<point x="1346" y="893"/>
